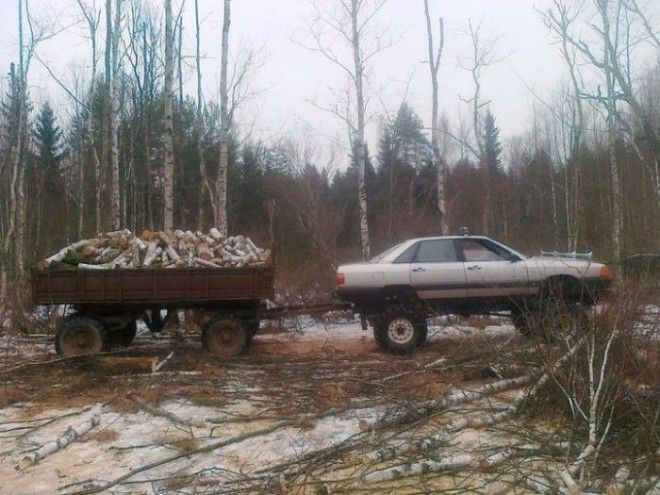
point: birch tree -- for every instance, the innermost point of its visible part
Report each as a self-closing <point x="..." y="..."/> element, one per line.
<point x="435" y="55"/>
<point x="559" y="20"/>
<point x="168" y="138"/>
<point x="200" y="123"/>
<point x="482" y="56"/>
<point x="223" y="164"/>
<point x="92" y="17"/>
<point x="351" y="23"/>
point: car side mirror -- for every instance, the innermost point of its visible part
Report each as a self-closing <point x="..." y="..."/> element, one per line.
<point x="513" y="258"/>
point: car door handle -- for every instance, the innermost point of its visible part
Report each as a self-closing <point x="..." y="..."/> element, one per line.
<point x="474" y="267"/>
<point x="419" y="269"/>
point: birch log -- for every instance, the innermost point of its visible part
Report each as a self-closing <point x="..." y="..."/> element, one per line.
<point x="68" y="437"/>
<point x="163" y="249"/>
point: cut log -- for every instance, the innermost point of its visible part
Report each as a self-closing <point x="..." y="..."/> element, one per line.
<point x="204" y="252"/>
<point x="121" y="364"/>
<point x="68" y="437"/>
<point x="160" y="249"/>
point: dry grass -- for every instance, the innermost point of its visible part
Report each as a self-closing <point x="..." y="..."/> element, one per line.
<point x="422" y="386"/>
<point x="331" y="395"/>
<point x="103" y="436"/>
<point x="179" y="442"/>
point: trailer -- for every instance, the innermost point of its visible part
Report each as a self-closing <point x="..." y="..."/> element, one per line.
<point x="106" y="304"/>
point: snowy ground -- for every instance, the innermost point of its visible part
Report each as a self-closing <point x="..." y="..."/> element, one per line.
<point x="265" y="422"/>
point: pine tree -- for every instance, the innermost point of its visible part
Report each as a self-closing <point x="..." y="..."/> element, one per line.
<point x="492" y="146"/>
<point x="47" y="182"/>
<point x="48" y="137"/>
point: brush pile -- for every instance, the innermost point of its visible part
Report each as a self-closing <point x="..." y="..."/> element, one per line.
<point x="162" y="249"/>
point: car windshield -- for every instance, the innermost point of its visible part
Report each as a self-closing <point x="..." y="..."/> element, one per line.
<point x="384" y="254"/>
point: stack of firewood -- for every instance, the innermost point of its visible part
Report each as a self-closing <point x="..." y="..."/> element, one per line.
<point x="162" y="249"/>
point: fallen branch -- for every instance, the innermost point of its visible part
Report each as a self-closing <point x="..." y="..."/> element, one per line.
<point x="458" y="461"/>
<point x="428" y="443"/>
<point x="67" y="438"/>
<point x="207" y="448"/>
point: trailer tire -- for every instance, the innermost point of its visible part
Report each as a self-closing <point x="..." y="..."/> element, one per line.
<point x="82" y="335"/>
<point x="403" y="333"/>
<point x="125" y="336"/>
<point x="224" y="336"/>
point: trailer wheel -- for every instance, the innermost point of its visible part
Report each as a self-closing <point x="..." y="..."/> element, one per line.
<point x="402" y="334"/>
<point x="124" y="337"/>
<point x="81" y="335"/>
<point x="224" y="336"/>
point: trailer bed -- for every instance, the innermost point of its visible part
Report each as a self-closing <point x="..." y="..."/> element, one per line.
<point x="152" y="286"/>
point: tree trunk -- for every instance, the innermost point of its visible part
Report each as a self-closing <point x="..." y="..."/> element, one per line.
<point x="200" y="125"/>
<point x="436" y="160"/>
<point x="360" y="147"/>
<point x="168" y="141"/>
<point x="113" y="97"/>
<point x="223" y="165"/>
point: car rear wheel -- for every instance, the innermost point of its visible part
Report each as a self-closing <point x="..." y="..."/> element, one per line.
<point x="224" y="336"/>
<point x="402" y="334"/>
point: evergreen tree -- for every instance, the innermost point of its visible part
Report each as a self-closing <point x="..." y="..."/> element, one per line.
<point x="492" y="146"/>
<point x="48" y="137"/>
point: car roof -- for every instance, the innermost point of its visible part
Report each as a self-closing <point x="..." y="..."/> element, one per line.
<point x="432" y="238"/>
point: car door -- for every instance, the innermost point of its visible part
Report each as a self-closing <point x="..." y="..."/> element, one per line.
<point x="437" y="270"/>
<point x="490" y="271"/>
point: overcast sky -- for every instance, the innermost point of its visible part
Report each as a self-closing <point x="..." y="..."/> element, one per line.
<point x="293" y="77"/>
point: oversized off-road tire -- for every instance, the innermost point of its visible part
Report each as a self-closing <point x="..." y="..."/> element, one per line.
<point x="123" y="337"/>
<point x="401" y="333"/>
<point x="81" y="335"/>
<point x="224" y="336"/>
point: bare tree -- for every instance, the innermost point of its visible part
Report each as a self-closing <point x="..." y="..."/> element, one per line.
<point x="435" y="55"/>
<point x="223" y="164"/>
<point x="168" y="141"/>
<point x="92" y="17"/>
<point x="349" y="22"/>
<point x="200" y="123"/>
<point x="483" y="55"/>
<point x="612" y="34"/>
<point x="560" y="20"/>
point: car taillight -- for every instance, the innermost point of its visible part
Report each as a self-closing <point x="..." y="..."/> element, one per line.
<point x="341" y="279"/>
<point x="605" y="272"/>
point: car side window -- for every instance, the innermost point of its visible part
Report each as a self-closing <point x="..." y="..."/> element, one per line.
<point x="474" y="250"/>
<point x="407" y="255"/>
<point x="437" y="251"/>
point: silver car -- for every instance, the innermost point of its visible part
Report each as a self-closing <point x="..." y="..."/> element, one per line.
<point x="464" y="275"/>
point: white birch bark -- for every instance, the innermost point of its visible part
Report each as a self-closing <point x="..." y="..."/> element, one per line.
<point x="223" y="164"/>
<point x="203" y="184"/>
<point x="114" y="119"/>
<point x="168" y="141"/>
<point x="67" y="438"/>
<point x="358" y="79"/>
<point x="437" y="162"/>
